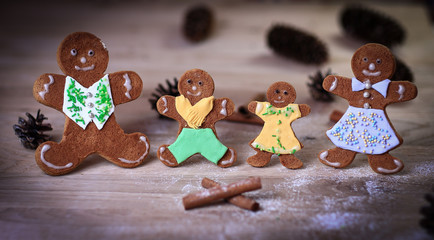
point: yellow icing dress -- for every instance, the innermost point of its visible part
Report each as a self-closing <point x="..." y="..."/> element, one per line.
<point x="277" y="135"/>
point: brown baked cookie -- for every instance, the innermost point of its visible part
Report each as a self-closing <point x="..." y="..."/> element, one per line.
<point x="197" y="111"/>
<point x="87" y="96"/>
<point x="277" y="136"/>
<point x="365" y="127"/>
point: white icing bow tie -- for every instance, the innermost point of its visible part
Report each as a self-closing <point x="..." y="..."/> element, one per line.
<point x="380" y="87"/>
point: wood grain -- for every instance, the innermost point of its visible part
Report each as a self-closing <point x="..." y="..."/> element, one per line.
<point x="101" y="200"/>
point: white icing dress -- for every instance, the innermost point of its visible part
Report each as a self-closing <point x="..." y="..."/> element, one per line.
<point x="364" y="130"/>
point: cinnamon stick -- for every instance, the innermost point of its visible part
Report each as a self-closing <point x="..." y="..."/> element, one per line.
<point x="239" y="200"/>
<point x="220" y="192"/>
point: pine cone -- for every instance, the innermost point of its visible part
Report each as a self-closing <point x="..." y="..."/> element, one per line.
<point x="171" y="89"/>
<point x="427" y="221"/>
<point x="198" y="23"/>
<point x="297" y="45"/>
<point x="315" y="87"/>
<point x="371" y="26"/>
<point x="30" y="132"/>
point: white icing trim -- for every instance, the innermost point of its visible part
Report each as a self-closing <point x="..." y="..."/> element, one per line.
<point x="103" y="45"/>
<point x="334" y="85"/>
<point x="143" y="139"/>
<point x="258" y="107"/>
<point x="398" y="166"/>
<point x="194" y="94"/>
<point x="47" y="85"/>
<point x="368" y="73"/>
<point x="127" y="85"/>
<point x="45" y="148"/>
<point x="91" y="67"/>
<point x="323" y="157"/>
<point x="161" y="157"/>
<point x="231" y="160"/>
<point x="223" y="111"/>
<point x="401" y="91"/>
<point x="165" y="105"/>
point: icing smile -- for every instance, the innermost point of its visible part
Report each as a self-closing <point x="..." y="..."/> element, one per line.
<point x="194" y="94"/>
<point x="368" y="73"/>
<point x="91" y="67"/>
<point x="277" y="101"/>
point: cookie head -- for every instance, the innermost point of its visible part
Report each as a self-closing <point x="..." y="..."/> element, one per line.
<point x="196" y="84"/>
<point x="280" y="94"/>
<point x="82" y="55"/>
<point x="374" y="62"/>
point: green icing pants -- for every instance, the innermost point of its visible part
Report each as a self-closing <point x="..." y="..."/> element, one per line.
<point x="191" y="141"/>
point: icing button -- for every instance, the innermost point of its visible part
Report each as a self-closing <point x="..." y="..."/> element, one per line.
<point x="91" y="115"/>
<point x="89" y="94"/>
<point x="90" y="105"/>
<point x="366" y="94"/>
<point x="366" y="105"/>
<point x="368" y="85"/>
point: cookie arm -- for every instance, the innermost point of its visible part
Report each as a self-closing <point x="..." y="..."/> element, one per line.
<point x="48" y="90"/>
<point x="338" y="85"/>
<point x="304" y="109"/>
<point x="401" y="91"/>
<point x="223" y="107"/>
<point x="125" y="86"/>
<point x="252" y="107"/>
<point x="166" y="106"/>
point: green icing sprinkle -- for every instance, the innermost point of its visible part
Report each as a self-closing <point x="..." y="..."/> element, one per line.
<point x="75" y="94"/>
<point x="104" y="98"/>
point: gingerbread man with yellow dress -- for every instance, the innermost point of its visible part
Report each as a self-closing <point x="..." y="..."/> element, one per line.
<point x="277" y="136"/>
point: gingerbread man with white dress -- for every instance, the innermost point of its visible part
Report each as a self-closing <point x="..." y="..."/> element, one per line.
<point x="88" y="96"/>
<point x="365" y="127"/>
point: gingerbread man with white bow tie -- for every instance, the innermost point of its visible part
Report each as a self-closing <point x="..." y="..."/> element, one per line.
<point x="365" y="127"/>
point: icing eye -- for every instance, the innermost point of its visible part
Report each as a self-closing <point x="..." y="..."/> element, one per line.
<point x="73" y="52"/>
<point x="200" y="83"/>
<point x="91" y="53"/>
<point x="365" y="59"/>
<point x="285" y="92"/>
<point x="189" y="81"/>
<point x="378" y="61"/>
<point x="276" y="91"/>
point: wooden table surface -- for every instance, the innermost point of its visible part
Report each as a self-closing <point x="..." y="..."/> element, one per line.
<point x="101" y="200"/>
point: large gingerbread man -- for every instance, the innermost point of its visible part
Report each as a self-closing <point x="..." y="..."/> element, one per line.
<point x="197" y="111"/>
<point x="277" y="136"/>
<point x="365" y="127"/>
<point x="87" y="96"/>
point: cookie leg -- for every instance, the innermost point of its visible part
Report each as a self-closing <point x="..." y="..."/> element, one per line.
<point x="131" y="151"/>
<point x="337" y="157"/>
<point x="385" y="163"/>
<point x="260" y="159"/>
<point x="290" y="161"/>
<point x="228" y="159"/>
<point x="58" y="158"/>
<point x="166" y="156"/>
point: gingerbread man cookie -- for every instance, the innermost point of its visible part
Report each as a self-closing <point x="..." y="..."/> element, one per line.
<point x="88" y="96"/>
<point x="197" y="111"/>
<point x="365" y="127"/>
<point x="277" y="136"/>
